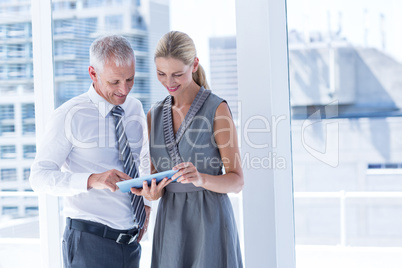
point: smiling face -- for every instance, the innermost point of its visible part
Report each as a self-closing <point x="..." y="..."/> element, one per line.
<point x="174" y="75"/>
<point x="114" y="82"/>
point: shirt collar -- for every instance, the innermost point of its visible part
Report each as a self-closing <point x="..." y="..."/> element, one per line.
<point x="104" y="107"/>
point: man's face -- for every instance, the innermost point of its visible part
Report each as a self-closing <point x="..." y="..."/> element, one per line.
<point x="113" y="83"/>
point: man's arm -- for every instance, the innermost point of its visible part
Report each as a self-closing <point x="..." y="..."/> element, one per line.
<point x="52" y="152"/>
<point x="46" y="175"/>
<point x="144" y="168"/>
<point x="145" y="227"/>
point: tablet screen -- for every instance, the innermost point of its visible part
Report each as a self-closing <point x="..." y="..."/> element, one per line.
<point x="125" y="186"/>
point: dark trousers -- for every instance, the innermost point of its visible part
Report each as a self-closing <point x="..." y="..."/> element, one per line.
<point x="85" y="250"/>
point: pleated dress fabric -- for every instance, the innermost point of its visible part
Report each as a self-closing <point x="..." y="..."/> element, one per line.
<point x="194" y="227"/>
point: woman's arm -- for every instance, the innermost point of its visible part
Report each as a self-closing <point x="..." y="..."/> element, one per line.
<point x="226" y="140"/>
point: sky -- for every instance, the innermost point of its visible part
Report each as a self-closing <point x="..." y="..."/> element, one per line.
<point x="202" y="20"/>
<point x="359" y="20"/>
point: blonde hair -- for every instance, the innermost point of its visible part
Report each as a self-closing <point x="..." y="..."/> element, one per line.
<point x="180" y="46"/>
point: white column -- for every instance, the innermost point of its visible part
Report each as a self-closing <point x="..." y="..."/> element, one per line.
<point x="266" y="145"/>
<point x="44" y="105"/>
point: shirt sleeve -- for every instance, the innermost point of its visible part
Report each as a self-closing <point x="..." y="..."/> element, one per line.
<point x="145" y="167"/>
<point x="46" y="175"/>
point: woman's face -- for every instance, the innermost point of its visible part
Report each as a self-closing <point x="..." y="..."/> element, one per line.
<point x="174" y="75"/>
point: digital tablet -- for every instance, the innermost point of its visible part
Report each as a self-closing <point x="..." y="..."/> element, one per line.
<point x="125" y="186"/>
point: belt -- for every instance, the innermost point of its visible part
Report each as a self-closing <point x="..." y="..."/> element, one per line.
<point x="120" y="236"/>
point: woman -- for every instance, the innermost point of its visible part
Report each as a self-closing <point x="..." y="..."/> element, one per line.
<point x="192" y="131"/>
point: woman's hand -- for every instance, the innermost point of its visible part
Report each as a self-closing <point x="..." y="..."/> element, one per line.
<point x="154" y="192"/>
<point x="188" y="173"/>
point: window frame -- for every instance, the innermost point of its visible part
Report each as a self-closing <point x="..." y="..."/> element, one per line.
<point x="268" y="211"/>
<point x="262" y="57"/>
<point x="44" y="105"/>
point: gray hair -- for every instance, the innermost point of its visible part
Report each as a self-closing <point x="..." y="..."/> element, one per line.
<point x="110" y="48"/>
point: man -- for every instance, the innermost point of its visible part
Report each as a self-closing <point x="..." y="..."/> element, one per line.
<point x="81" y="158"/>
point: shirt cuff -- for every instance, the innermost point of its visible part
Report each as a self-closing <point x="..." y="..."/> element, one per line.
<point x="147" y="202"/>
<point x="79" y="182"/>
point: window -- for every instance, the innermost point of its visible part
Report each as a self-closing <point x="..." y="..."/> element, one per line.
<point x="27" y="172"/>
<point x="8" y="174"/>
<point x="63" y="27"/>
<point x="16" y="51"/>
<point x="114" y="23"/>
<point x="10" y="211"/>
<point x="2" y="51"/>
<point x="7" y="119"/>
<point x="64" y="5"/>
<point x="141" y="85"/>
<point x="16" y="120"/>
<point x="28" y="118"/>
<point x="17" y="30"/>
<point x="141" y="65"/>
<point x="345" y="124"/>
<point x="69" y="89"/>
<point x="29" y="151"/>
<point x="65" y="68"/>
<point x="3" y="73"/>
<point x="8" y="152"/>
<point x="30" y="50"/>
<point x="18" y="71"/>
<point x="85" y="27"/>
<point x="93" y="3"/>
<point x="2" y="28"/>
<point x="7" y="89"/>
<point x="7" y="129"/>
<point x="31" y="211"/>
<point x="137" y="22"/>
<point x="6" y="112"/>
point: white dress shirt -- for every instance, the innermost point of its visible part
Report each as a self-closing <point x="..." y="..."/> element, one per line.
<point x="80" y="140"/>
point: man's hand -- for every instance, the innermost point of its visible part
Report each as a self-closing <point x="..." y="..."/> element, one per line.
<point x="145" y="227"/>
<point x="107" y="180"/>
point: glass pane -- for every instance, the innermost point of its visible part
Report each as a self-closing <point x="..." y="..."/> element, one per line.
<point x="344" y="66"/>
<point x="19" y="226"/>
<point x="28" y="119"/>
<point x="77" y="24"/>
<point x="215" y="41"/>
<point x="8" y="152"/>
<point x="29" y="151"/>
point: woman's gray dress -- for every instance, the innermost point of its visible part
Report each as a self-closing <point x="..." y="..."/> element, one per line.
<point x="194" y="227"/>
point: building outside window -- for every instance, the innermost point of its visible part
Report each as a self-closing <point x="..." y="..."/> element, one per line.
<point x="8" y="174"/>
<point x="17" y="128"/>
<point x="26" y="172"/>
<point x="3" y="72"/>
<point x="28" y="118"/>
<point x="8" y="152"/>
<point x="29" y="151"/>
<point x="7" y="125"/>
<point x="10" y="210"/>
<point x="16" y="51"/>
<point x="17" y="30"/>
<point x="114" y="23"/>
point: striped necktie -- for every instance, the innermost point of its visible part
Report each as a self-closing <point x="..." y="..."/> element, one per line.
<point x="127" y="159"/>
